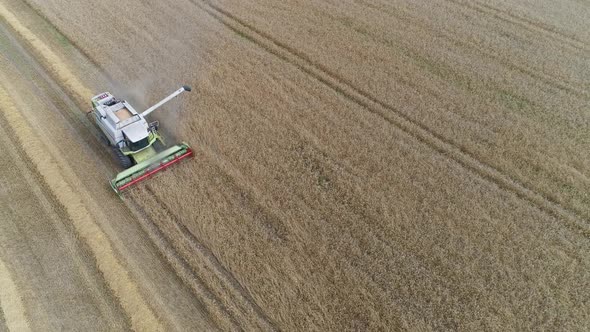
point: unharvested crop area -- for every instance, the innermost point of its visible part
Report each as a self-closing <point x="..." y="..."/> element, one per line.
<point x="360" y="165"/>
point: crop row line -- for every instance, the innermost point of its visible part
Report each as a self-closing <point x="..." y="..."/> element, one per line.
<point x="547" y="79"/>
<point x="231" y="286"/>
<point x="394" y="116"/>
<point x="445" y="33"/>
<point x="368" y="228"/>
<point x="181" y="266"/>
<point x="524" y="22"/>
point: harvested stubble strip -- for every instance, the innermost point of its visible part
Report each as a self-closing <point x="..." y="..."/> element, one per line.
<point x="53" y="173"/>
<point x="10" y="302"/>
<point x="51" y="60"/>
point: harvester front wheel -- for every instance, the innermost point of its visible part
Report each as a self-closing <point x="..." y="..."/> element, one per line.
<point x="124" y="161"/>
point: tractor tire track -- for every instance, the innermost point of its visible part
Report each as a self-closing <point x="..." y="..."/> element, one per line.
<point x="182" y="232"/>
<point x="526" y="23"/>
<point x="574" y="219"/>
<point x="221" y="314"/>
<point x="465" y="44"/>
<point x="374" y="231"/>
<point x="471" y="45"/>
<point x="368" y="227"/>
<point x="196" y="254"/>
<point x="547" y="79"/>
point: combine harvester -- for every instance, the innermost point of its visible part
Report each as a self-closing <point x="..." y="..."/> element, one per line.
<point x="133" y="139"/>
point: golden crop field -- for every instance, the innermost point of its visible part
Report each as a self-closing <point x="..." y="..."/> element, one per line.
<point x="359" y="165"/>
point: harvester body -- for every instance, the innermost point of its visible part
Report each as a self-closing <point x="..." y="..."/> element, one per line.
<point x="133" y="138"/>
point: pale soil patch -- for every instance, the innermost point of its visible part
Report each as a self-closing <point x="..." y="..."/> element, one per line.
<point x="10" y="302"/>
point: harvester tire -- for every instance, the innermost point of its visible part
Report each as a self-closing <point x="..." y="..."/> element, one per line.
<point x="124" y="161"/>
<point x="104" y="139"/>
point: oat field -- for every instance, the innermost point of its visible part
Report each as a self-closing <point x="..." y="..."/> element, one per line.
<point x="360" y="165"/>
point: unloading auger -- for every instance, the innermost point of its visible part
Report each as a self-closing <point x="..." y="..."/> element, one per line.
<point x="132" y="139"/>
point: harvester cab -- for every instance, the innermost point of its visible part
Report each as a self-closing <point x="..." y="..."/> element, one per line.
<point x="133" y="138"/>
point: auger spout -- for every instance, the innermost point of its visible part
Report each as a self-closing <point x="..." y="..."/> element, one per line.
<point x="165" y="100"/>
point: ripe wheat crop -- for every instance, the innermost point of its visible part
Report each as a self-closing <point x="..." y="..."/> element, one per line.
<point x="366" y="165"/>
